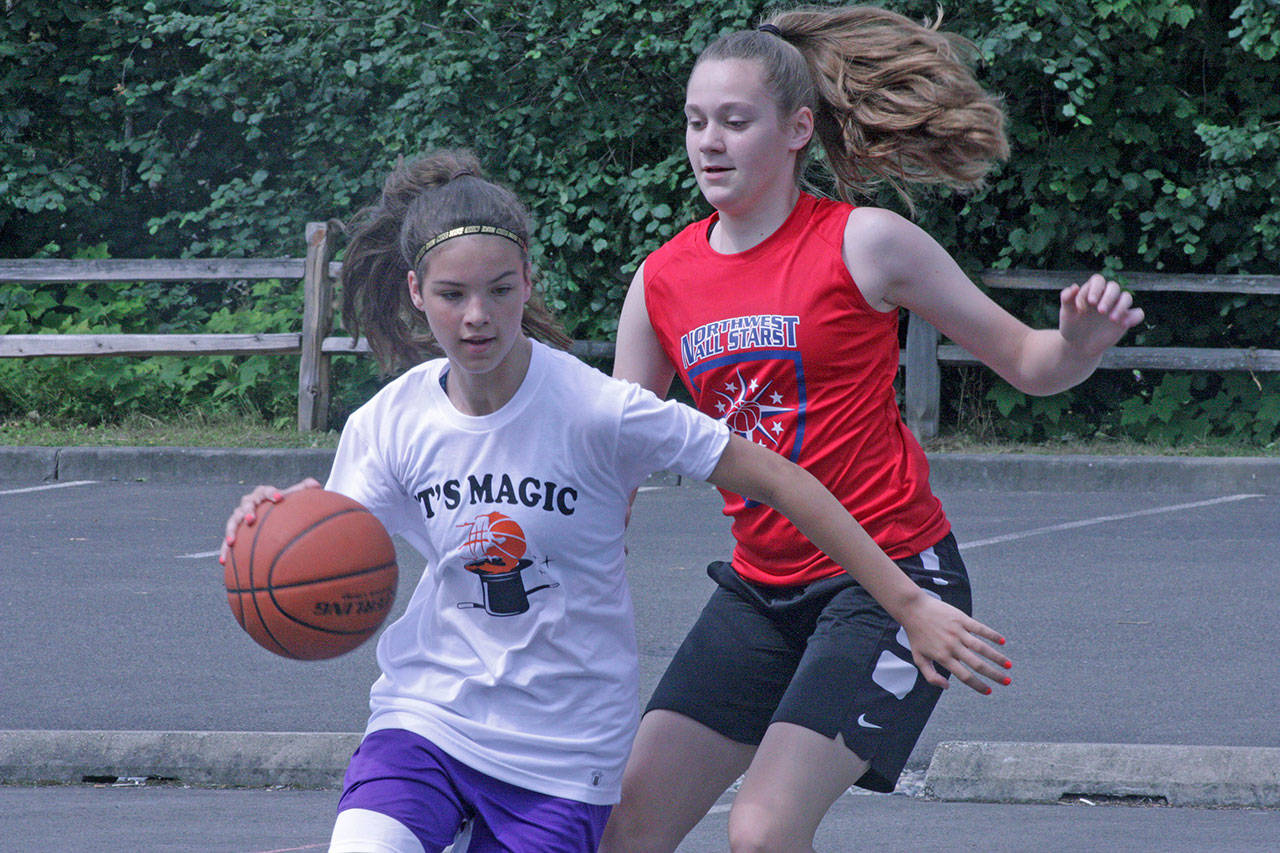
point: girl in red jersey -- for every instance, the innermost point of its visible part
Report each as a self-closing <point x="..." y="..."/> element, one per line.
<point x="779" y="313"/>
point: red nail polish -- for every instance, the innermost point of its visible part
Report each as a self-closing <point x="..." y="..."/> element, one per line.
<point x="1007" y="681"/>
<point x="987" y="692"/>
<point x="222" y="560"/>
<point x="1000" y="640"/>
<point x="1008" y="664"/>
<point x="277" y="497"/>
<point x="248" y="519"/>
<point x="230" y="539"/>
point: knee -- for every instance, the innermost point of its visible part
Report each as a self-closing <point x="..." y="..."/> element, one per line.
<point x="753" y="830"/>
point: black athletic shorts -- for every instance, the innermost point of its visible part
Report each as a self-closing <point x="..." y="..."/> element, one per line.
<point x="824" y="656"/>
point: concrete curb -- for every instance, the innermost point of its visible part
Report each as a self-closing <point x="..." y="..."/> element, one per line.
<point x="28" y="464"/>
<point x="164" y="464"/>
<point x="1025" y="472"/>
<point x="1046" y="772"/>
<point x="187" y="464"/>
<point x="250" y="759"/>
<point x="960" y="771"/>
<point x="1032" y="473"/>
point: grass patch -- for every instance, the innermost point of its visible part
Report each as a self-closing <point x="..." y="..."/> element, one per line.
<point x="232" y="431"/>
<point x="144" y="431"/>
<point x="961" y="443"/>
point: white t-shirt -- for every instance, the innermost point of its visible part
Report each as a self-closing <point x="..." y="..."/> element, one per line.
<point x="517" y="653"/>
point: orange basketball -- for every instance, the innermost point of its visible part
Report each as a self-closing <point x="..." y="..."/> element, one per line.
<point x="313" y="577"/>
<point x="496" y="542"/>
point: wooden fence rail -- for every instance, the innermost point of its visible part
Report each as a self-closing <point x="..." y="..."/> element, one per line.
<point x="315" y="345"/>
<point x="924" y="354"/>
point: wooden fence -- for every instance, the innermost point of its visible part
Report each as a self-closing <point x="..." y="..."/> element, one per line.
<point x="315" y="345"/>
<point x="924" y="354"/>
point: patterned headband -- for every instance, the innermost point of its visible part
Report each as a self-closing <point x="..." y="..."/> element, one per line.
<point x="463" y="231"/>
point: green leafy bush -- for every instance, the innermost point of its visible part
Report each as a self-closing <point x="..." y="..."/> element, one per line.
<point x="1144" y="134"/>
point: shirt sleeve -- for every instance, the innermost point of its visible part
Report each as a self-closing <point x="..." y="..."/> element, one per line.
<point x="361" y="473"/>
<point x="656" y="435"/>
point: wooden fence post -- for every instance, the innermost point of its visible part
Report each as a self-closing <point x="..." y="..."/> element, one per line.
<point x="924" y="378"/>
<point x="317" y="321"/>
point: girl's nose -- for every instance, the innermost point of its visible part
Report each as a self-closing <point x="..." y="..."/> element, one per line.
<point x="476" y="312"/>
<point x="710" y="139"/>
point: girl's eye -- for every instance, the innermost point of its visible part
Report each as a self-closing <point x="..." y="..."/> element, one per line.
<point x="695" y="124"/>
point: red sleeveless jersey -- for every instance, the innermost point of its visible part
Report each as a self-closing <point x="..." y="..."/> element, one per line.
<point x="779" y="343"/>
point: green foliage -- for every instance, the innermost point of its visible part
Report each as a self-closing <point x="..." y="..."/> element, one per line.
<point x="1146" y="136"/>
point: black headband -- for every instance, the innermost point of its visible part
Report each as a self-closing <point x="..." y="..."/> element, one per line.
<point x="771" y="29"/>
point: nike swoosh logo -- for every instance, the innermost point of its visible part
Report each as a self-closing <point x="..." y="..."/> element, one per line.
<point x="862" y="721"/>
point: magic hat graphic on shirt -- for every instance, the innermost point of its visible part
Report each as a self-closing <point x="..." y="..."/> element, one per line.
<point x="497" y="546"/>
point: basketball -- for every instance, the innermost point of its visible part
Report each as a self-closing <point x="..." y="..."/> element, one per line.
<point x="496" y="542"/>
<point x="313" y="577"/>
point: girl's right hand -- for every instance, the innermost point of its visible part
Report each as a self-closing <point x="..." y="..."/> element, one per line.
<point x="938" y="633"/>
<point x="246" y="510"/>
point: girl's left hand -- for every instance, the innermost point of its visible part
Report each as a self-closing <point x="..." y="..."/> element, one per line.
<point x="939" y="633"/>
<point x="1093" y="316"/>
<point x="247" y="509"/>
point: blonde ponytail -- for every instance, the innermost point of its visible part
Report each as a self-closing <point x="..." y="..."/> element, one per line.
<point x="894" y="101"/>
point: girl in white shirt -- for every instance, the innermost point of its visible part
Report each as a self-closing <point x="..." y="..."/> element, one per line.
<point x="508" y="694"/>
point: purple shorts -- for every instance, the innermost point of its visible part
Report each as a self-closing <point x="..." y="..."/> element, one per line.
<point x="407" y="777"/>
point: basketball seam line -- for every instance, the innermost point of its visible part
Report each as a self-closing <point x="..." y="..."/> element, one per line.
<point x="270" y="586"/>
<point x="262" y="522"/>
<point x="270" y="589"/>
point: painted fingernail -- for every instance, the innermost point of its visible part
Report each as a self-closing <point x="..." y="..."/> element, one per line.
<point x="222" y="560"/>
<point x="230" y="539"/>
<point x="1008" y="664"/>
<point x="986" y="692"/>
<point x="1007" y="681"/>
<point x="277" y="497"/>
<point x="1000" y="640"/>
<point x="248" y="519"/>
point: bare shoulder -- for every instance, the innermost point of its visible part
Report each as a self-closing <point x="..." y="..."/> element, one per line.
<point x="874" y="223"/>
<point x="879" y="248"/>
<point x="876" y="232"/>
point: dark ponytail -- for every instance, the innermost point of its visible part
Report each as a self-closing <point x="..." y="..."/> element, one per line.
<point x="422" y="198"/>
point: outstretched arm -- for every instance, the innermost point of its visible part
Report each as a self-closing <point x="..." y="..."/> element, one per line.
<point x="895" y="263"/>
<point x="938" y="632"/>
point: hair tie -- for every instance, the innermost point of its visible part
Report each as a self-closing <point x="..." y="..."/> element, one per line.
<point x="771" y="29"/>
<point x="463" y="231"/>
<point x="462" y="173"/>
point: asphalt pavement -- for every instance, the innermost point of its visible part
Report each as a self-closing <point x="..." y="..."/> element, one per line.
<point x="1138" y="595"/>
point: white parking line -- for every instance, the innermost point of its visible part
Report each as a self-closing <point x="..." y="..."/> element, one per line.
<point x="994" y="540"/>
<point x="45" y="488"/>
<point x="1102" y="519"/>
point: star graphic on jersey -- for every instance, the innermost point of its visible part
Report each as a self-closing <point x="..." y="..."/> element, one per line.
<point x="746" y="415"/>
